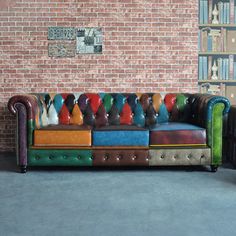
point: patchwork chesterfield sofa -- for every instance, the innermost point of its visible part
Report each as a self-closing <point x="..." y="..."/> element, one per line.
<point x="89" y="129"/>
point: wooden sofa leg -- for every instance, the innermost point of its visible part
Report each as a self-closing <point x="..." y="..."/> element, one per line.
<point x="214" y="168"/>
<point x="23" y="169"/>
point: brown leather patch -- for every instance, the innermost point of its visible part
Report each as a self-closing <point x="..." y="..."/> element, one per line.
<point x="120" y="157"/>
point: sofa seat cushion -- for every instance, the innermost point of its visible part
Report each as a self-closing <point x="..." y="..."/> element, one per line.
<point x="120" y="135"/>
<point x="179" y="134"/>
<point x="63" y="135"/>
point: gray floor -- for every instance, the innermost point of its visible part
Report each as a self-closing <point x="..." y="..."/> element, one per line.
<point x="159" y="201"/>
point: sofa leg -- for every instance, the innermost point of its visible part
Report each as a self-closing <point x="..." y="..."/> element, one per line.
<point x="214" y="168"/>
<point x="23" y="169"/>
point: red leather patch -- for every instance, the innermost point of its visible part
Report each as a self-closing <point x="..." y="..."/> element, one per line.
<point x="126" y="117"/>
<point x="64" y="95"/>
<point x="64" y="115"/>
<point x="170" y="100"/>
<point x="94" y="101"/>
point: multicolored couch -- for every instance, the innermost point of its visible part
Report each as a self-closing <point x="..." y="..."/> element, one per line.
<point x="118" y="129"/>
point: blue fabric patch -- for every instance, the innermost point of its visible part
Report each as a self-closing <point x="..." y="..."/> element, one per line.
<point x="174" y="126"/>
<point x="121" y="138"/>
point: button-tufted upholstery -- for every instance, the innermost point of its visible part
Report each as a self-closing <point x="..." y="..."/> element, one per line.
<point x="103" y="109"/>
<point x="119" y="128"/>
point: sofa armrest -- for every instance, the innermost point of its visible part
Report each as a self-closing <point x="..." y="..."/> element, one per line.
<point x="208" y="111"/>
<point x="26" y="108"/>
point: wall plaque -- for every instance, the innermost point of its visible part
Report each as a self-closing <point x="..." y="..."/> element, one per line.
<point x="89" y="40"/>
<point x="63" y="49"/>
<point x="61" y="33"/>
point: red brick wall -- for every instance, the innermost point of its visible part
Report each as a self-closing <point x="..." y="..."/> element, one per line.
<point x="149" y="45"/>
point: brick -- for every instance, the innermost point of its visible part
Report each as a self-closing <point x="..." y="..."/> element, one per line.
<point x="148" y="45"/>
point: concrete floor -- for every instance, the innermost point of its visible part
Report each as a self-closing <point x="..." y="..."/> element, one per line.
<point x="110" y="202"/>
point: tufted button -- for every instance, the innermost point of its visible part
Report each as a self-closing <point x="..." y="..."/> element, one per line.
<point x="134" y="157"/>
<point x="78" y="157"/>
<point x="202" y="156"/>
<point x="106" y="157"/>
<point x="37" y="157"/>
<point x="118" y="157"/>
<point x="175" y="156"/>
<point x="147" y="158"/>
<point x="51" y="157"/>
<point x="92" y="158"/>
<point x="162" y="156"/>
<point x="65" y="156"/>
<point x="189" y="156"/>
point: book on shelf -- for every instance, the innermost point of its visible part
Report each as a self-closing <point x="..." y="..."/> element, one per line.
<point x="209" y="67"/>
<point x="210" y="9"/>
<point x="210" y="40"/>
<point x="220" y="65"/>
<point x="226" y="68"/>
<point x="223" y="68"/>
<point x="199" y="40"/>
<point x="227" y="12"/>
<point x="234" y="71"/>
<point x="234" y="12"/>
<point x="200" y="76"/>
<point x="231" y="41"/>
<point x="231" y="9"/>
<point x="231" y="67"/>
<point x="203" y="12"/>
<point x="221" y="11"/>
<point x="203" y="68"/>
<point x="217" y="40"/>
<point x="213" y="89"/>
<point x="204" y="39"/>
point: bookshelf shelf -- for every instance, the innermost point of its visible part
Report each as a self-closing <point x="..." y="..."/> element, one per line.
<point x="217" y="81"/>
<point x="216" y="53"/>
<point x="217" y="25"/>
<point x="217" y="48"/>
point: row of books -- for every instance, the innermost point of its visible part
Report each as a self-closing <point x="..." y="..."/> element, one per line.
<point x="226" y="68"/>
<point x="213" y="89"/>
<point x="217" y="40"/>
<point x="226" y="11"/>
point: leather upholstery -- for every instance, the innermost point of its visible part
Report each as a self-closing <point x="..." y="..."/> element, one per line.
<point x="47" y="157"/>
<point x="63" y="135"/>
<point x="173" y="133"/>
<point x="106" y="109"/>
<point x="189" y="156"/>
<point x="122" y="135"/>
<point x="120" y="157"/>
<point x="101" y="109"/>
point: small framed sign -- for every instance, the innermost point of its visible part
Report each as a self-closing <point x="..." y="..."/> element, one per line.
<point x="89" y="40"/>
<point x="61" y="33"/>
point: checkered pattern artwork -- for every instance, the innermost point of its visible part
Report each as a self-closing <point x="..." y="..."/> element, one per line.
<point x="89" y="40"/>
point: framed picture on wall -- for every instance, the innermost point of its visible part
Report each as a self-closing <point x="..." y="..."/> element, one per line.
<point x="89" y="40"/>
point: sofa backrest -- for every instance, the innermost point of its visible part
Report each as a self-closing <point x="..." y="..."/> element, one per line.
<point x="98" y="109"/>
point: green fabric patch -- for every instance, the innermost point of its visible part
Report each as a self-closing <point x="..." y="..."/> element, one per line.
<point x="44" y="157"/>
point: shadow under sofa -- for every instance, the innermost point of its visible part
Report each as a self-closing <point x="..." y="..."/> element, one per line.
<point x="118" y="129"/>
